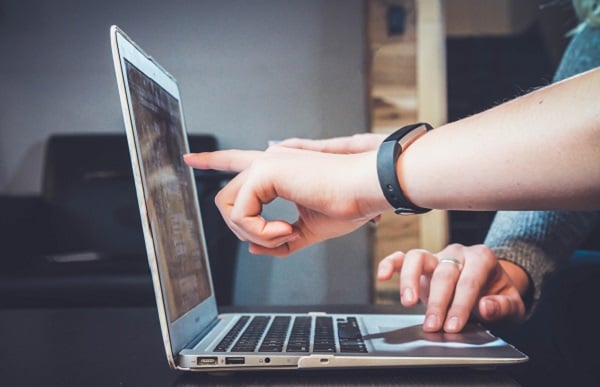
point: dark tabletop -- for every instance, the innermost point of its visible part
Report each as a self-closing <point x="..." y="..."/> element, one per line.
<point x="123" y="347"/>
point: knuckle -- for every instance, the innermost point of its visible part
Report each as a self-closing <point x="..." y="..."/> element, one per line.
<point x="485" y="256"/>
<point x="454" y="246"/>
<point x="417" y="254"/>
<point x="219" y="197"/>
<point x="395" y="256"/>
<point x="483" y="252"/>
<point x="236" y="218"/>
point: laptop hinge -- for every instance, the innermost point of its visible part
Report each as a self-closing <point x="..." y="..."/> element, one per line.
<point x="203" y="333"/>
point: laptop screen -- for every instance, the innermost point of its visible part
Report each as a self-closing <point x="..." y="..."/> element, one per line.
<point x="169" y="194"/>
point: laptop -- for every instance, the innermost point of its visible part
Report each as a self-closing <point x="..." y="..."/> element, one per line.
<point x="196" y="337"/>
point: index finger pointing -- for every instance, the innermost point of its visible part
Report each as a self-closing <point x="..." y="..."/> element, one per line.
<point x="225" y="160"/>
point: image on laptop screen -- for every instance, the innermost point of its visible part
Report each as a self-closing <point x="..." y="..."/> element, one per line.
<point x="167" y="180"/>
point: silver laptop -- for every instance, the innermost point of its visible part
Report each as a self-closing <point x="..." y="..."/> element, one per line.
<point x="195" y="335"/>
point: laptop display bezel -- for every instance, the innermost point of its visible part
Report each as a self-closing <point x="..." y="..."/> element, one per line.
<point x="177" y="334"/>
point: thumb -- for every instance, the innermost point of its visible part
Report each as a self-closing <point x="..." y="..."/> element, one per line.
<point x="501" y="307"/>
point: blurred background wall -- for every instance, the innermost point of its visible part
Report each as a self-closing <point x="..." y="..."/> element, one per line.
<point x="249" y="71"/>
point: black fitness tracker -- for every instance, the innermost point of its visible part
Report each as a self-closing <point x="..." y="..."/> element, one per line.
<point x="387" y="155"/>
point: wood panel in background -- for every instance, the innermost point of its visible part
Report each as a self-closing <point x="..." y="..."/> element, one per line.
<point x="406" y="84"/>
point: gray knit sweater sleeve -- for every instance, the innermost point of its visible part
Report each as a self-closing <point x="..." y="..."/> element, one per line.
<point x="541" y="241"/>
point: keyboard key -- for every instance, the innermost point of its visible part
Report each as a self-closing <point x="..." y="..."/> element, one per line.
<point x="252" y="335"/>
<point x="350" y="337"/>
<point x="306" y="333"/>
<point x="275" y="338"/>
<point x="299" y="340"/>
<point x="324" y="340"/>
<point x="229" y="338"/>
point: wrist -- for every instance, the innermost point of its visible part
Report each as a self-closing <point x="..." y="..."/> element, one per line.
<point x="370" y="199"/>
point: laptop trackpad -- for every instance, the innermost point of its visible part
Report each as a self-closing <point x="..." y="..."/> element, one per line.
<point x="405" y="333"/>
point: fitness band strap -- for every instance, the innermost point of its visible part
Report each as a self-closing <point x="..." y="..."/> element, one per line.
<point x="387" y="155"/>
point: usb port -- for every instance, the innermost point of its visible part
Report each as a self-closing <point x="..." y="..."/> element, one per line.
<point x="235" y="360"/>
<point x="206" y="360"/>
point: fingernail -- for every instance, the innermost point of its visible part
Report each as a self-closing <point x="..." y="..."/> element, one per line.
<point x="382" y="269"/>
<point x="431" y="321"/>
<point x="407" y="295"/>
<point x="491" y="307"/>
<point x="452" y="324"/>
<point x="289" y="239"/>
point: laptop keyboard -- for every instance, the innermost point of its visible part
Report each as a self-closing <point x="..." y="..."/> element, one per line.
<point x="293" y="334"/>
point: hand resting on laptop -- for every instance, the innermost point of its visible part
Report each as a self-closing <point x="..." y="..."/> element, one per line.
<point x="457" y="282"/>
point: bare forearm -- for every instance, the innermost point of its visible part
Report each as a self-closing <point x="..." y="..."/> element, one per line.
<point x="539" y="151"/>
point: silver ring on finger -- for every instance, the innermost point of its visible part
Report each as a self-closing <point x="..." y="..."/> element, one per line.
<point x="453" y="261"/>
